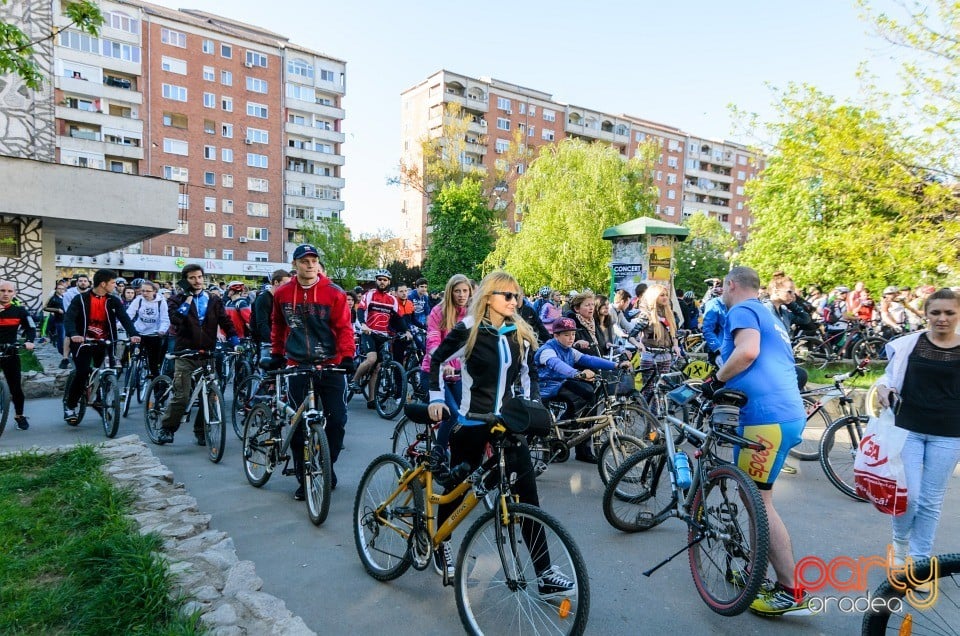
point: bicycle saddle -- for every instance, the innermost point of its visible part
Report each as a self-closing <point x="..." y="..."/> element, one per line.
<point x="417" y="412"/>
<point x="731" y="397"/>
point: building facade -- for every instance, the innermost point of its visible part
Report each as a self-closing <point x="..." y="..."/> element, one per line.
<point x="507" y="125"/>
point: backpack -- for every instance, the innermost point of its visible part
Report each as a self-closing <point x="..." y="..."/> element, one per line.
<point x="833" y="312"/>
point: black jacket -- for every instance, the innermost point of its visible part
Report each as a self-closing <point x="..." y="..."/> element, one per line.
<point x="261" y="318"/>
<point x="190" y="333"/>
<point x="14" y="318"/>
<point x="78" y="314"/>
<point x="529" y="314"/>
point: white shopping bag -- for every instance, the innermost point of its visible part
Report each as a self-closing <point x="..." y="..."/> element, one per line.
<point x="878" y="470"/>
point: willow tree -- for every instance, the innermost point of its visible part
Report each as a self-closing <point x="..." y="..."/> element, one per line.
<point x="569" y="195"/>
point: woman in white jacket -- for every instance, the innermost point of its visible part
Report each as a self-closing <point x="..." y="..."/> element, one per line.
<point x="150" y="317"/>
<point x="922" y="384"/>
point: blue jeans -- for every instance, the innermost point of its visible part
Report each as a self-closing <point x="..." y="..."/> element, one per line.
<point x="928" y="461"/>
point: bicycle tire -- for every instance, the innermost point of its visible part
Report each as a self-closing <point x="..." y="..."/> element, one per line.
<point x="4" y="404"/>
<point x="110" y="405"/>
<point x="942" y="618"/>
<point x="639" y="494"/>
<point x="317" y="475"/>
<point x="738" y="541"/>
<point x="242" y="403"/>
<point x="871" y="348"/>
<point x="143" y="379"/>
<point x="496" y="576"/>
<point x="158" y="394"/>
<point x="82" y="404"/>
<point x="129" y="387"/>
<point x="384" y="550"/>
<point x="407" y="441"/>
<point x="215" y="424"/>
<point x="391" y="390"/>
<point x="612" y="455"/>
<point x="838" y="448"/>
<point x="871" y="401"/>
<point x="259" y="448"/>
<point x="811" y="351"/>
<point x="818" y="422"/>
<point x="635" y="420"/>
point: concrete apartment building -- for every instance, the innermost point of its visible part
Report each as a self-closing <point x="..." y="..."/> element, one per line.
<point x="246" y="122"/>
<point x="694" y="174"/>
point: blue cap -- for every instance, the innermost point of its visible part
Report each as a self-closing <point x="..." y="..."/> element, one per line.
<point x="305" y="250"/>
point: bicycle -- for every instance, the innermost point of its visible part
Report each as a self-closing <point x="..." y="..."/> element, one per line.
<point x="267" y="433"/>
<point x="134" y="378"/>
<point x="728" y="533"/>
<point x="942" y="618"/>
<point x="858" y="341"/>
<point x="840" y="441"/>
<point x="497" y="582"/>
<point x="390" y="392"/>
<point x="253" y="389"/>
<point x="102" y="392"/>
<point x="205" y="391"/>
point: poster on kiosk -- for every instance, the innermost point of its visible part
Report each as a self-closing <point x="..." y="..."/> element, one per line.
<point x="643" y="252"/>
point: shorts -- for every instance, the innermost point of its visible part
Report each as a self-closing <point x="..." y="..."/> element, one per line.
<point x="764" y="466"/>
<point x="371" y="343"/>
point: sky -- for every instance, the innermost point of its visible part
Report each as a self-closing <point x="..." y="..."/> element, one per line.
<point x="679" y="63"/>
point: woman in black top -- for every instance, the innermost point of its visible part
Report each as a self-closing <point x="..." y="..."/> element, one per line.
<point x="55" y="308"/>
<point x="922" y="382"/>
<point x="590" y="338"/>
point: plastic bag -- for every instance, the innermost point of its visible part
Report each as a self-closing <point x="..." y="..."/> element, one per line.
<point x="878" y="469"/>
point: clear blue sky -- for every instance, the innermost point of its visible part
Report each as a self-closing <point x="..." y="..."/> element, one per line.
<point x="679" y="63"/>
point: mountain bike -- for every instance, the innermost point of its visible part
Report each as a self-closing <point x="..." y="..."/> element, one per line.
<point x="941" y="617"/>
<point x="505" y="553"/>
<point x="840" y="441"/>
<point x="134" y="377"/>
<point x="102" y="392"/>
<point x="728" y="534"/>
<point x="257" y="387"/>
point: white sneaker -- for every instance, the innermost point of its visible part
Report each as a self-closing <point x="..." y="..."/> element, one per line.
<point x="443" y="560"/>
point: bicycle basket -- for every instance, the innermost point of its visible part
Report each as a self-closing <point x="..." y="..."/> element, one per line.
<point x="618" y="383"/>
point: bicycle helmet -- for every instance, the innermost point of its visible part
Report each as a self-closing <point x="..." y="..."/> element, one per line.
<point x="235" y="285"/>
<point x="890" y="290"/>
<point x="121" y="280"/>
<point x="358" y="289"/>
<point x="383" y="273"/>
<point x="545" y="292"/>
<point x="136" y="283"/>
<point x="688" y="295"/>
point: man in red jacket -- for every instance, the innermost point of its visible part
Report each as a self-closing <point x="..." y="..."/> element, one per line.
<point x="311" y="325"/>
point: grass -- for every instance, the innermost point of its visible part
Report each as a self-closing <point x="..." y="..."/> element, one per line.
<point x="29" y="362"/>
<point x="825" y="376"/>
<point x="72" y="562"/>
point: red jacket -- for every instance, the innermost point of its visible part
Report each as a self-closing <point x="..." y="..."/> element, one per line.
<point x="313" y="324"/>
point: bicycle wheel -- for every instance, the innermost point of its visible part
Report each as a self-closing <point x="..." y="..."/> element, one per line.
<point x="838" y="448"/>
<point x="872" y="401"/>
<point x="158" y="394"/>
<point x="258" y="445"/>
<point x="143" y="379"/>
<point x="639" y="494"/>
<point x="317" y="474"/>
<point x="871" y="348"/>
<point x="636" y="421"/>
<point x="943" y="617"/>
<point x="729" y="564"/>
<point x="383" y="538"/>
<point x="82" y="404"/>
<point x="4" y="405"/>
<point x="811" y="351"/>
<point x="612" y="455"/>
<point x="391" y="390"/>
<point x="410" y="438"/>
<point x="498" y="572"/>
<point x="214" y="426"/>
<point x="243" y="402"/>
<point x="108" y="394"/>
<point x="129" y="387"/>
<point x="818" y="421"/>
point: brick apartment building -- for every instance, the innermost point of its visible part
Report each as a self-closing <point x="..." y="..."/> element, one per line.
<point x="694" y="174"/>
<point x="247" y="122"/>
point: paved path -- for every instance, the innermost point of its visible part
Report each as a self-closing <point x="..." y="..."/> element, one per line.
<point x="317" y="571"/>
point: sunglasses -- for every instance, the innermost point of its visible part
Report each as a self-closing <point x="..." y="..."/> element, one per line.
<point x="507" y="296"/>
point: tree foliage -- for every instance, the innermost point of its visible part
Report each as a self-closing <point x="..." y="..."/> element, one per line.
<point x="842" y="199"/>
<point x="344" y="257"/>
<point x="16" y="47"/>
<point x="705" y="254"/>
<point x="439" y="161"/>
<point x="569" y="195"/>
<point x="463" y="231"/>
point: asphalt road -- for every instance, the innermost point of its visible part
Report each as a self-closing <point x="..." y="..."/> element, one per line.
<point x="318" y="574"/>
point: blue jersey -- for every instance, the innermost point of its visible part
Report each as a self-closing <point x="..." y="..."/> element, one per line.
<point x="770" y="382"/>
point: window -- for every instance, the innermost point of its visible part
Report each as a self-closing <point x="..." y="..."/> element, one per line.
<point x="176" y="93"/>
<point x="258" y="234"/>
<point x="258" y="257"/>
<point x="209" y="178"/>
<point x="210" y="126"/>
<point x="501" y="146"/>
<point x="256" y="59"/>
<point x="227" y="254"/>
<point x="324" y="148"/>
<point x="299" y="91"/>
<point x="257" y="136"/>
<point x="121" y="22"/>
<point x="738" y="220"/>
<point x="226" y="130"/>
<point x="175" y="173"/>
<point x="226" y="51"/>
<point x="210" y="230"/>
<point x="739" y="205"/>
<point x="175" y="147"/>
<point x="258" y="185"/>
<point x="522" y="108"/>
<point x="175" y="120"/>
<point x="226" y="155"/>
<point x="121" y="51"/>
<point x="226" y="103"/>
<point x="503" y="103"/>
<point x="327" y="76"/>
<point x="546" y="134"/>
<point x="183" y="201"/>
<point x="256" y="161"/>
<point x="226" y="78"/>
<point x="256" y="85"/>
<point x="300" y="68"/>
<point x="669" y="210"/>
<point x="530" y="130"/>
<point x="183" y="227"/>
<point x="740" y="190"/>
<point x="257" y="110"/>
<point x="79" y="42"/>
<point x="226" y="206"/>
<point x="208" y="47"/>
<point x="209" y="205"/>
<point x="209" y="74"/>
<point x="209" y="152"/>
<point x="672" y="162"/>
<point x="741" y="175"/>
<point x="549" y="115"/>
<point x="742" y="160"/>
<point x="226" y="180"/>
<point x="173" y="38"/>
<point x="209" y="100"/>
<point x="210" y="252"/>
<point x="671" y="179"/>
<point x="659" y="175"/>
<point x="671" y="194"/>
<point x="173" y="65"/>
<point x="257" y="209"/>
<point x="226" y="231"/>
<point x="503" y="124"/>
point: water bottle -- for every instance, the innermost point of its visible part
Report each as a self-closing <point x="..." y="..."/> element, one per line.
<point x="682" y="463"/>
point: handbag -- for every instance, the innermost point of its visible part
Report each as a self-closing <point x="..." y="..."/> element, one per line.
<point x="878" y="471"/>
<point x="526" y="416"/>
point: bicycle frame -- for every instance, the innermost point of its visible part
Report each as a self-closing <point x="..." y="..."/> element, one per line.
<point x="283" y="411"/>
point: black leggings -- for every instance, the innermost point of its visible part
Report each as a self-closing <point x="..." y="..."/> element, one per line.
<point x="84" y="355"/>
<point x="11" y="370"/>
<point x="154" y="349"/>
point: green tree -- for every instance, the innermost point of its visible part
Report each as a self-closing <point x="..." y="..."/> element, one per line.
<point x="344" y="257"/>
<point x="570" y="194"/>
<point x="16" y="47"/>
<point x="439" y="161"/>
<point x="705" y="253"/>
<point x="463" y="232"/>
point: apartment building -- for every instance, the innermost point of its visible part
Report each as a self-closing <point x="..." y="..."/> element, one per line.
<point x="693" y="174"/>
<point x="246" y="122"/>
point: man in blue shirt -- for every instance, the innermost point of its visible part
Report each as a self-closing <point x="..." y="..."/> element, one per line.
<point x="758" y="360"/>
<point x="420" y="297"/>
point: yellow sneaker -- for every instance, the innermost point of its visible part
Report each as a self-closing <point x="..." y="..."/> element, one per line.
<point x="777" y="602"/>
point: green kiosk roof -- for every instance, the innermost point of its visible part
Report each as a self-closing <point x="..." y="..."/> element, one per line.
<point x="645" y="225"/>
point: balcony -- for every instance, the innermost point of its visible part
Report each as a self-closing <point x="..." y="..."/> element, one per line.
<point x="82" y="143"/>
<point x="469" y="103"/>
<point x="726" y="159"/>
<point x="705" y="173"/>
<point x="310" y="202"/>
<point x="477" y="128"/>
<point x="90" y="88"/>
<point x="292" y="185"/>
<point x="476" y="148"/>
<point x="125" y="151"/>
<point x="303" y="130"/>
<point x="582" y="130"/>
<point x="313" y="155"/>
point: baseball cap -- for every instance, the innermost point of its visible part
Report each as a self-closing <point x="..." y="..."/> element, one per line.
<point x="890" y="290"/>
<point x="305" y="250"/>
<point x="564" y="324"/>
